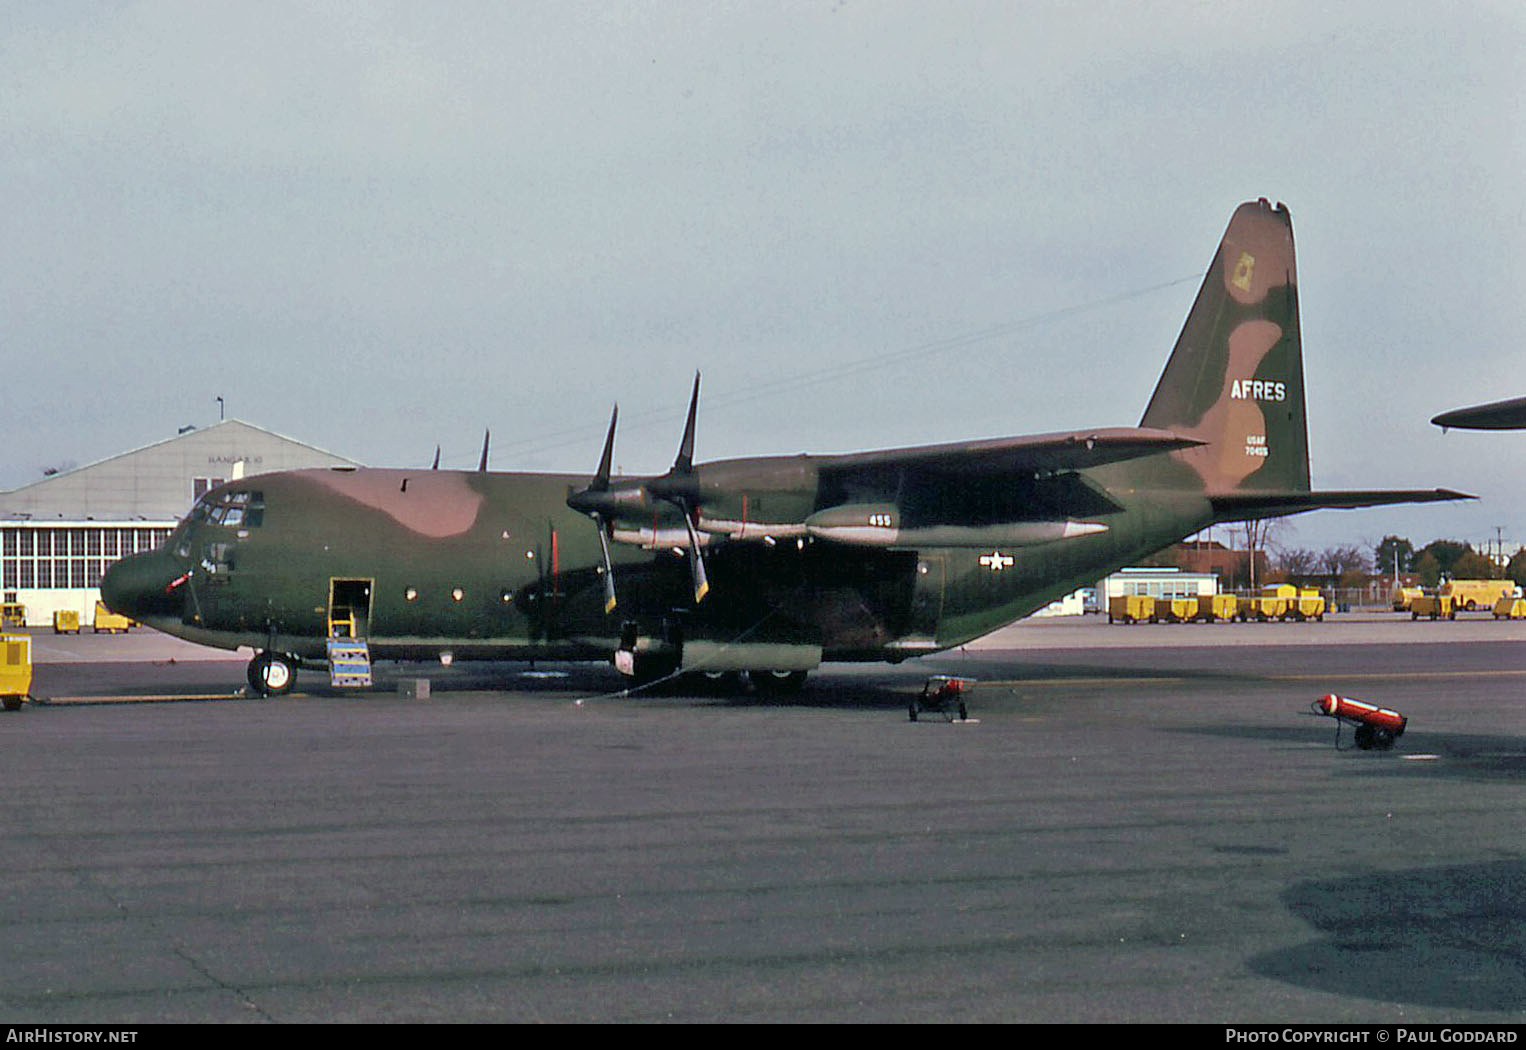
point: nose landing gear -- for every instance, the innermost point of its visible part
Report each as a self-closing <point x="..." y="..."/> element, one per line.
<point x="272" y="674"/>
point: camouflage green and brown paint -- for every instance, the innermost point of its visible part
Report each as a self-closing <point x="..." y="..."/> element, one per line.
<point x="866" y="556"/>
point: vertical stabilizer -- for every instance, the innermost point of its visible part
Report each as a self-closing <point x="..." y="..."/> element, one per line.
<point x="1235" y="377"/>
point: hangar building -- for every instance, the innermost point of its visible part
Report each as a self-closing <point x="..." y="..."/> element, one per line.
<point x="58" y="535"/>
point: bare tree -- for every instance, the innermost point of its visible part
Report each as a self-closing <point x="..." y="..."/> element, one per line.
<point x="1338" y="561"/>
<point x="1296" y="561"/>
<point x="1258" y="534"/>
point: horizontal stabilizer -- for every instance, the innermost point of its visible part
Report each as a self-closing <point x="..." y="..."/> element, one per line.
<point x="1075" y="450"/>
<point x="1245" y="506"/>
<point x="1499" y="415"/>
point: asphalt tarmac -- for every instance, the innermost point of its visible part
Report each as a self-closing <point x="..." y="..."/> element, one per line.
<point x="1137" y="824"/>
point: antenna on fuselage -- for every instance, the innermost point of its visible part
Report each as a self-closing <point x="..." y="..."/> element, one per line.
<point x="482" y="466"/>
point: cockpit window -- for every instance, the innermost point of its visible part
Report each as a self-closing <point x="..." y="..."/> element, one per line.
<point x="232" y="508"/>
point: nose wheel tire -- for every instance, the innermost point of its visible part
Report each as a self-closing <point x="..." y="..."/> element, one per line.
<point x="272" y="674"/>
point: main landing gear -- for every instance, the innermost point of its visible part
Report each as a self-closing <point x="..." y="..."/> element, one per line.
<point x="272" y="674"/>
<point x="777" y="683"/>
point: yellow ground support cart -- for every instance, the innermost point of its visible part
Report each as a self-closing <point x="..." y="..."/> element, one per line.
<point x="1309" y="605"/>
<point x="1401" y="597"/>
<point x="1433" y="606"/>
<point x="1176" y="610"/>
<point x="12" y="614"/>
<point x="1211" y="607"/>
<point x="1130" y="608"/>
<point x="106" y="620"/>
<point x="66" y="621"/>
<point x="1283" y="601"/>
<point x="15" y="670"/>
<point x="1510" y="609"/>
<point x="1270" y="604"/>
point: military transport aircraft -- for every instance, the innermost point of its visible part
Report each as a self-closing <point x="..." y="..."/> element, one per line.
<point x="770" y="565"/>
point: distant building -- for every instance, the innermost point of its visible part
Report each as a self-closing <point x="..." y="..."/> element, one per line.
<point x="1231" y="566"/>
<point x="1157" y="583"/>
<point x="58" y="535"/>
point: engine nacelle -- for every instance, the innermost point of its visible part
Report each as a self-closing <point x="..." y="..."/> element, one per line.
<point x="880" y="525"/>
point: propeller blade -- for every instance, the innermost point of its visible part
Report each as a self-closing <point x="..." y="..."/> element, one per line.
<point x="609" y="569"/>
<point x="601" y="479"/>
<point x="590" y="500"/>
<point x="684" y="463"/>
<point x="696" y="563"/>
<point x="680" y="484"/>
<point x="679" y="487"/>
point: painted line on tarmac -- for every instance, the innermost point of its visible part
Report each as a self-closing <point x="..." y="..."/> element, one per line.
<point x="163" y="698"/>
<point x="1381" y="675"/>
<point x="1375" y="676"/>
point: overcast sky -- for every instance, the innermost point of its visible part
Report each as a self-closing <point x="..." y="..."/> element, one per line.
<point x="381" y="227"/>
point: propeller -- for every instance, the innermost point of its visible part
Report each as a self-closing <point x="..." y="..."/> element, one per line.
<point x="594" y="501"/>
<point x="680" y="487"/>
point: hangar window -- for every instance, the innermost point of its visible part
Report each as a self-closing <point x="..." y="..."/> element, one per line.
<point x="72" y="557"/>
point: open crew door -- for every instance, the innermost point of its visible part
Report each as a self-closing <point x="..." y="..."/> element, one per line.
<point x="349" y="608"/>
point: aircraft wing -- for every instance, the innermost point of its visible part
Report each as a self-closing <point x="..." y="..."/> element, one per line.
<point x="1074" y="450"/>
<point x="1245" y="506"/>
<point x="1499" y="415"/>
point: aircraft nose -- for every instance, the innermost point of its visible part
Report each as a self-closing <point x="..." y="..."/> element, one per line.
<point x="138" y="586"/>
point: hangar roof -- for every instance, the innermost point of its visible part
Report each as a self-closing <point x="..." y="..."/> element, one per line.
<point x="159" y="482"/>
